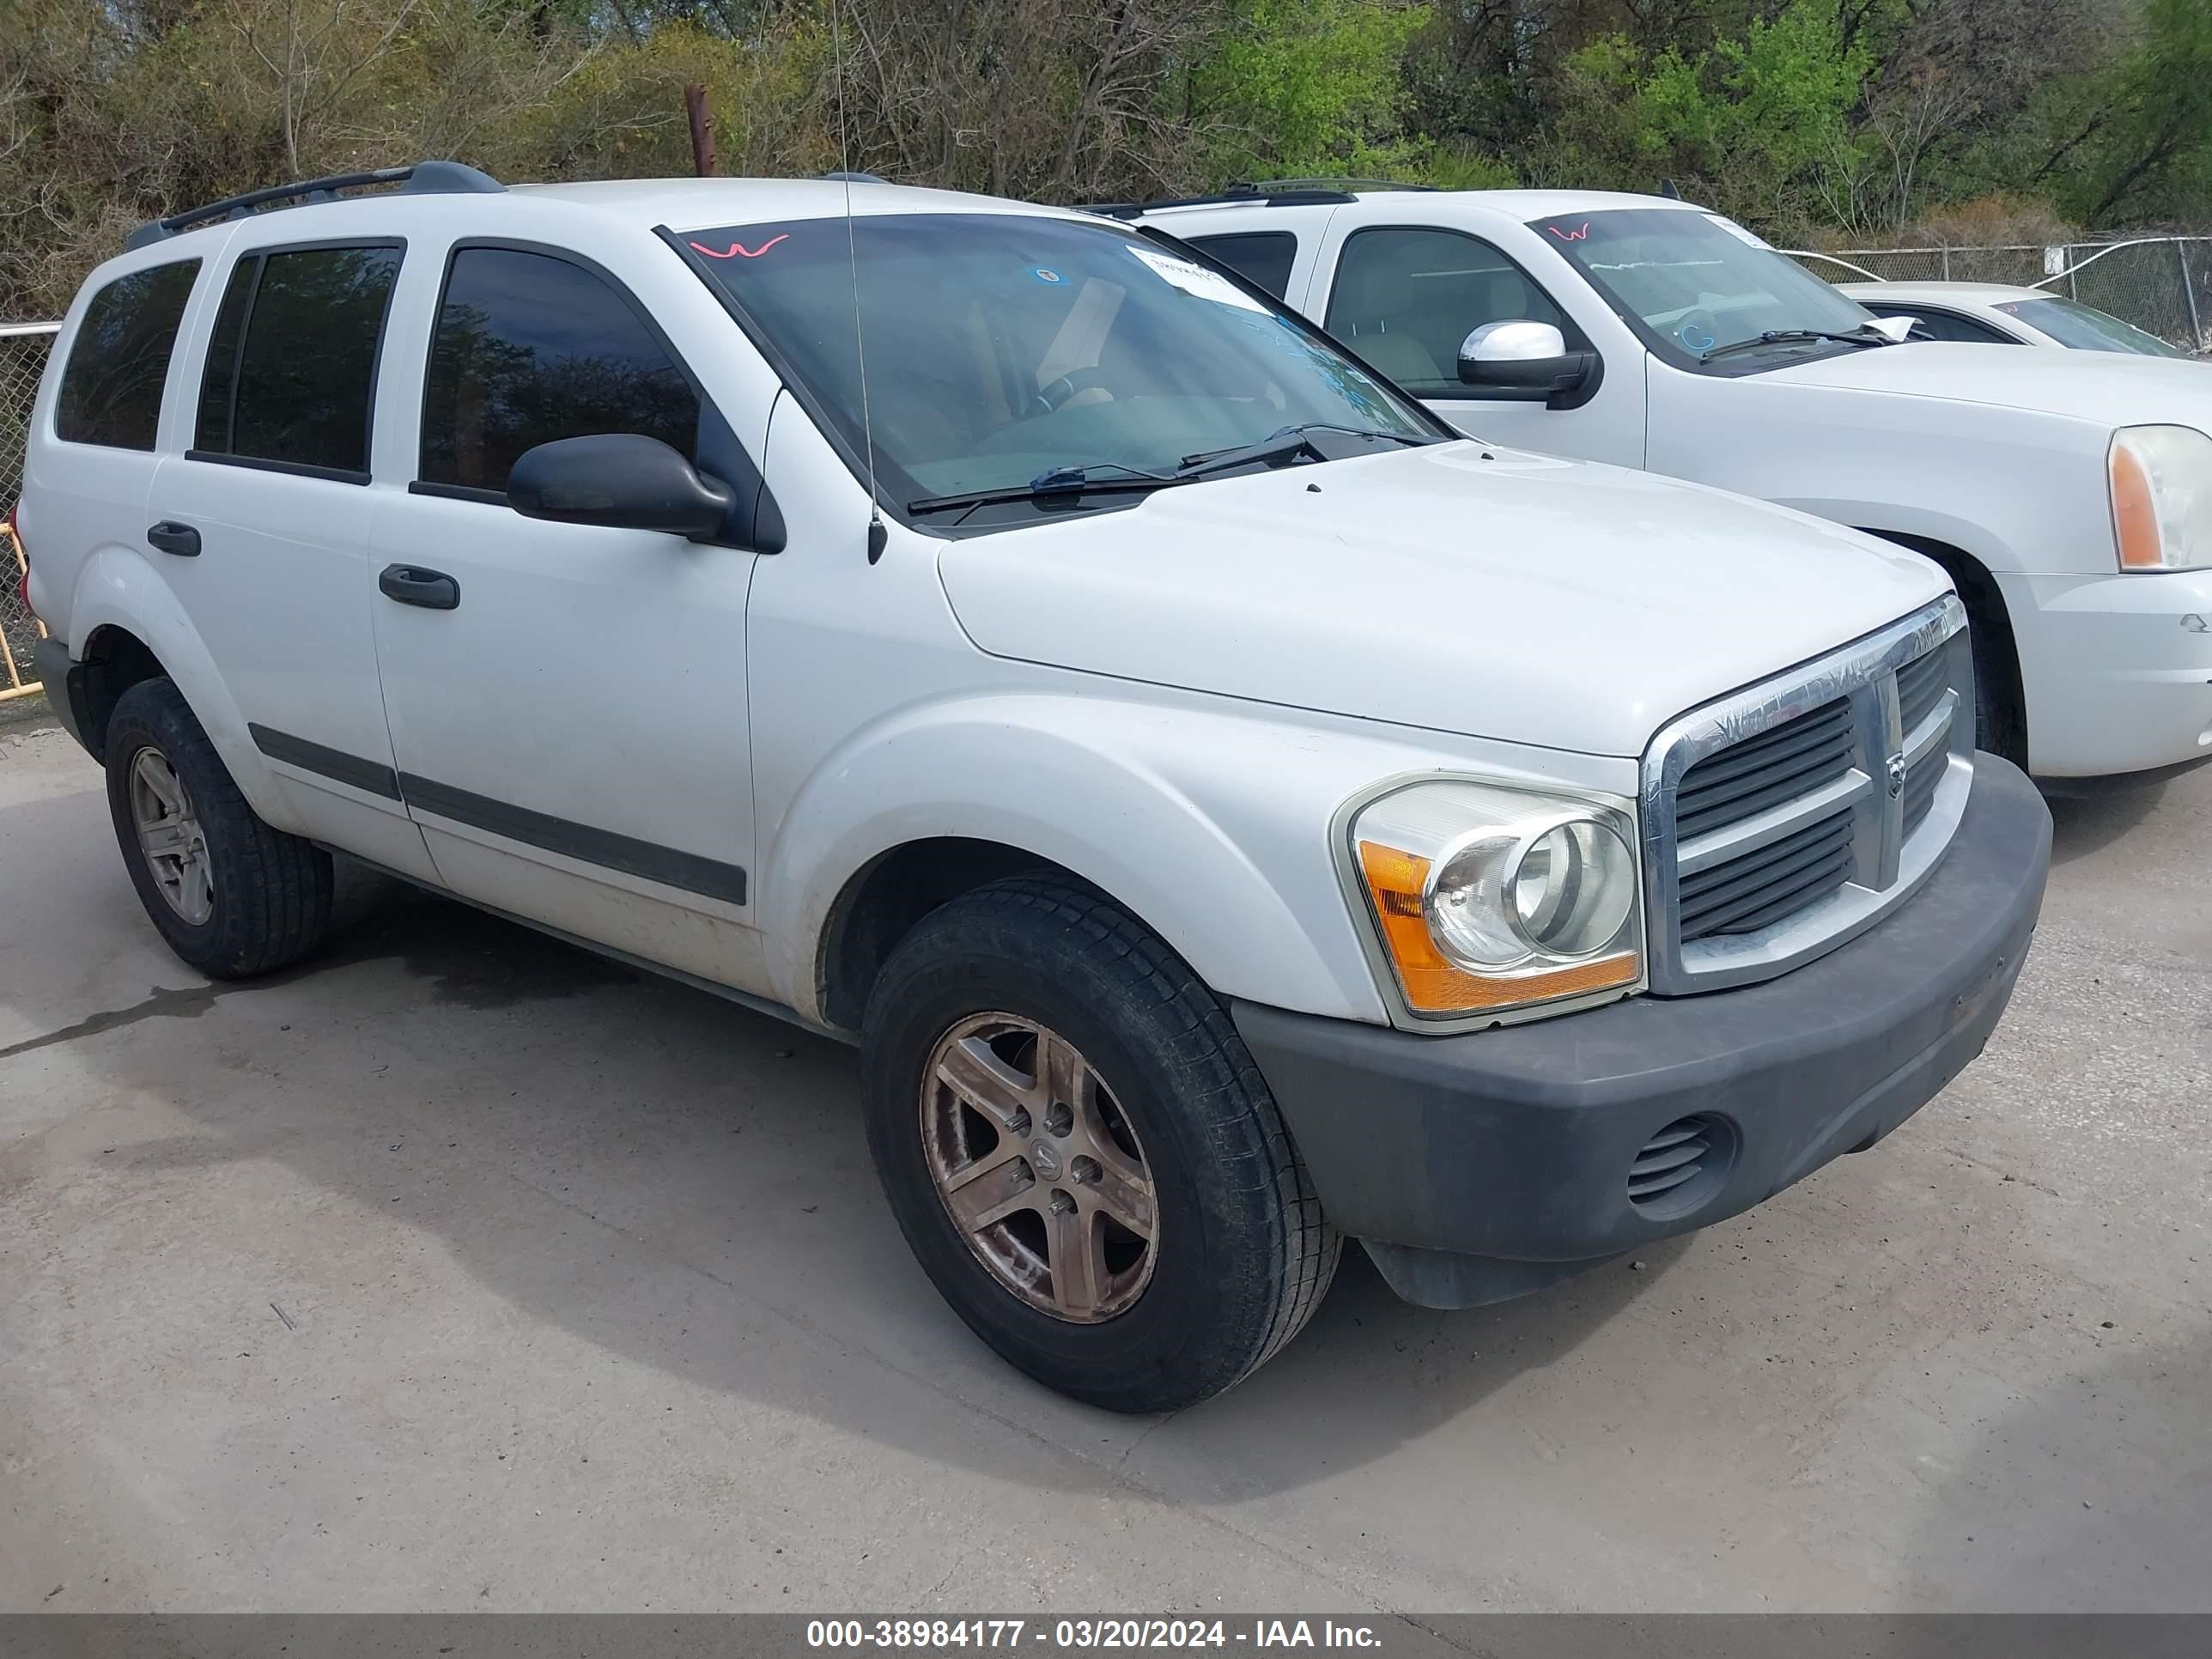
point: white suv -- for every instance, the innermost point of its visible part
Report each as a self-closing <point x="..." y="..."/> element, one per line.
<point x="2068" y="495"/>
<point x="1229" y="811"/>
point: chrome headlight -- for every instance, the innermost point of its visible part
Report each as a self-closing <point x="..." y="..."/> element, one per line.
<point x="1486" y="897"/>
<point x="2161" y="478"/>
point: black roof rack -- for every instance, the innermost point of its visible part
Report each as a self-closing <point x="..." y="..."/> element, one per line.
<point x="857" y="178"/>
<point x="1346" y="185"/>
<point x="423" y="179"/>
<point x="1274" y="192"/>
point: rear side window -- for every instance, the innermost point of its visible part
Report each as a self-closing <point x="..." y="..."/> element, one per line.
<point x="529" y="348"/>
<point x="111" y="391"/>
<point x="1262" y="258"/>
<point x="291" y="368"/>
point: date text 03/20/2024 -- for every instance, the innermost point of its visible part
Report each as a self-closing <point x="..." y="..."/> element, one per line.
<point x="1087" y="1633"/>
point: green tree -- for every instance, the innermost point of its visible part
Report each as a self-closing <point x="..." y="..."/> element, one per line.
<point x="1307" y="88"/>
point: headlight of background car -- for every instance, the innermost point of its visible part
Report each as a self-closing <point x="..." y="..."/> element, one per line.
<point x="2163" y="497"/>
<point x="1486" y="898"/>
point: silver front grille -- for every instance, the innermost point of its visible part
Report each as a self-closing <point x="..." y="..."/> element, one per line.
<point x="1785" y="819"/>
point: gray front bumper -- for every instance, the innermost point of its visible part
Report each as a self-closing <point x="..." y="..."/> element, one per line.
<point x="1483" y="1165"/>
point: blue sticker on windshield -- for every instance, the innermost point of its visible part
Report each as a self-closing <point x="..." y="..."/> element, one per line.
<point x="1046" y="274"/>
<point x="1696" y="338"/>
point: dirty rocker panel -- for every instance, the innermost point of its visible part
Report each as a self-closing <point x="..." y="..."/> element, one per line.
<point x="648" y="860"/>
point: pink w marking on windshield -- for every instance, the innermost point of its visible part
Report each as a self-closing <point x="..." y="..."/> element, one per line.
<point x="739" y="251"/>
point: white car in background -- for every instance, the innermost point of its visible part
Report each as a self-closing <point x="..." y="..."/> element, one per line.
<point x="2002" y="314"/>
<point x="2067" y="493"/>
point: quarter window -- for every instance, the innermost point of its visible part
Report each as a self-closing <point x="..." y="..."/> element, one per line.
<point x="1405" y="299"/>
<point x="1261" y="258"/>
<point x="530" y="348"/>
<point x="291" y="369"/>
<point x="111" y="391"/>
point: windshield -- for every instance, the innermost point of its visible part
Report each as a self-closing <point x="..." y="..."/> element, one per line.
<point x="1001" y="348"/>
<point x="2087" y="329"/>
<point x="1694" y="283"/>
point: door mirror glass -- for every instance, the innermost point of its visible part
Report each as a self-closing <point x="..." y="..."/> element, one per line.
<point x="619" y="481"/>
<point x="1521" y="356"/>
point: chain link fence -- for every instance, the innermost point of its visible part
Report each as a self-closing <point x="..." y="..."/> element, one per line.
<point x="22" y="358"/>
<point x="2162" y="284"/>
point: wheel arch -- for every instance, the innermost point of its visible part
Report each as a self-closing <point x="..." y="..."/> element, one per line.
<point x="1101" y="794"/>
<point x="129" y="626"/>
<point x="1992" y="621"/>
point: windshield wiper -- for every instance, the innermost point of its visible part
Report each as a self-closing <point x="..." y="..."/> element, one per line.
<point x="1865" y="334"/>
<point x="1285" y="442"/>
<point x="1098" y="477"/>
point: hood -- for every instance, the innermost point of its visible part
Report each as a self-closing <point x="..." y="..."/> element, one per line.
<point x="2109" y="387"/>
<point x="1523" y="599"/>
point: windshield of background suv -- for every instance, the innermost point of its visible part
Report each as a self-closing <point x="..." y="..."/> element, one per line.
<point x="2087" y="329"/>
<point x="1697" y="282"/>
<point x="1001" y="347"/>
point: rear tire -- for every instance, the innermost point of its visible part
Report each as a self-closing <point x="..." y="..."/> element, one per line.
<point x="233" y="897"/>
<point x="1229" y="1253"/>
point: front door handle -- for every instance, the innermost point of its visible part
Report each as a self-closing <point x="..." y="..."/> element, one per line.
<point x="171" y="537"/>
<point x="410" y="584"/>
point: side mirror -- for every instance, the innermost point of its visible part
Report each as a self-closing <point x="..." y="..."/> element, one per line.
<point x="1521" y="356"/>
<point x="619" y="480"/>
<point x="1896" y="330"/>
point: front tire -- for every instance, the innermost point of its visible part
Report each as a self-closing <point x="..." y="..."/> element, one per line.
<point x="1082" y="1154"/>
<point x="233" y="897"/>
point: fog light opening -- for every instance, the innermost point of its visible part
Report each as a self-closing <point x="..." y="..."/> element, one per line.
<point x="1682" y="1166"/>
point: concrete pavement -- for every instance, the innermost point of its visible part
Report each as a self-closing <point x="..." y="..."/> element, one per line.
<point x="461" y="1270"/>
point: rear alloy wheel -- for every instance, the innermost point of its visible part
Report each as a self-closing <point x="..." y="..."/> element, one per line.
<point x="1082" y="1154"/>
<point x="170" y="835"/>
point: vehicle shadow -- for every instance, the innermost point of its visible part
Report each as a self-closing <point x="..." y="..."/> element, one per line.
<point x="686" y="1184"/>
<point x="2083" y="826"/>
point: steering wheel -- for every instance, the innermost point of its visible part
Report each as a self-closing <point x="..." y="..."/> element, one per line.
<point x="1061" y="390"/>
<point x="1696" y="331"/>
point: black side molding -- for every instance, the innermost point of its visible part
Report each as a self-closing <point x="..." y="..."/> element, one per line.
<point x="649" y="860"/>
<point x="578" y="841"/>
<point x="363" y="775"/>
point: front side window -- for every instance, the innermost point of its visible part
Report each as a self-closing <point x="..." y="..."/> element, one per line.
<point x="291" y="368"/>
<point x="110" y="390"/>
<point x="1406" y="298"/>
<point x="2085" y="328"/>
<point x="530" y="348"/>
<point x="1700" y="288"/>
<point x="1004" y="348"/>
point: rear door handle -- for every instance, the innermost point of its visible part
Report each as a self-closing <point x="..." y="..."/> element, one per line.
<point x="410" y="584"/>
<point x="171" y="537"/>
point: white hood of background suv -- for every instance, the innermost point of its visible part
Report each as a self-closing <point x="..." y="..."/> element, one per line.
<point x="2111" y="388"/>
<point x="1522" y="599"/>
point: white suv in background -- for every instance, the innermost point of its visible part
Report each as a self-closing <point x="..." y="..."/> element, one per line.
<point x="2068" y="495"/>
<point x="1229" y="810"/>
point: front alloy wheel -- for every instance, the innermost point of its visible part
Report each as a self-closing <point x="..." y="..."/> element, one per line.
<point x="1038" y="1168"/>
